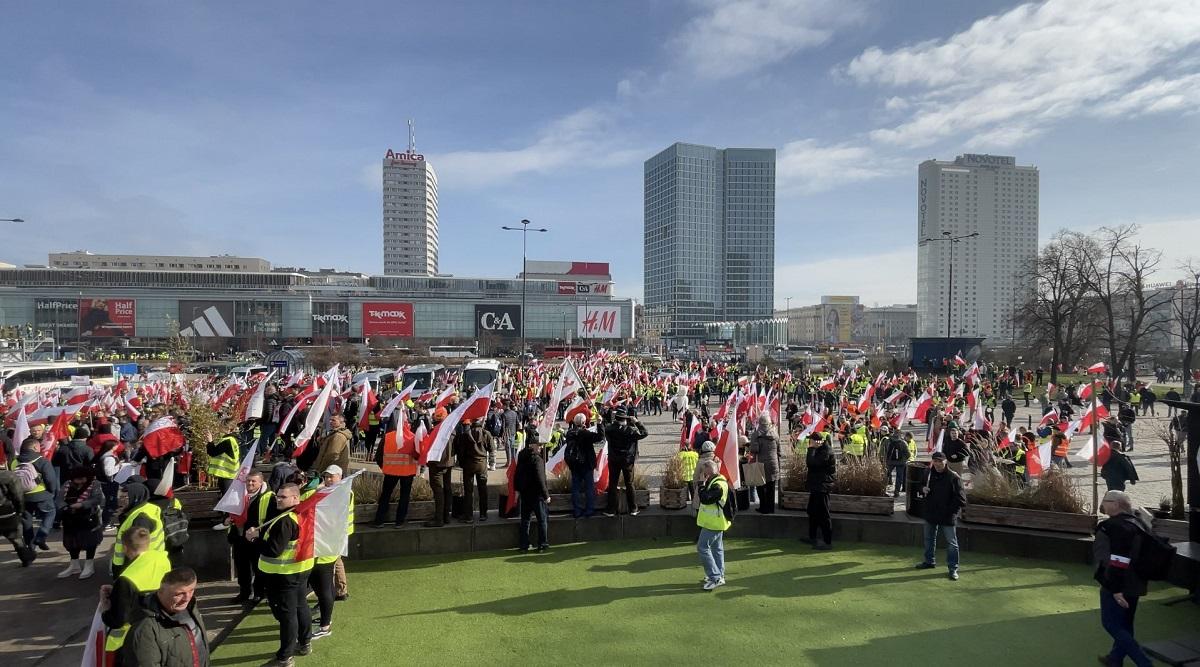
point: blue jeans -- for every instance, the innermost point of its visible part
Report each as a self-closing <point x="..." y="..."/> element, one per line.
<point x="931" y="532"/>
<point x="1118" y="622"/>
<point x="711" y="547"/>
<point x="44" y="510"/>
<point x="583" y="484"/>
<point x="510" y="451"/>
<point x="900" y="470"/>
<point x="528" y="507"/>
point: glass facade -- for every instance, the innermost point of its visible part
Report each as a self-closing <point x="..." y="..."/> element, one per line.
<point x="709" y="238"/>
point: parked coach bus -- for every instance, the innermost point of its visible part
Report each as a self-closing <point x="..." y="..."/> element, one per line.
<point x="54" y="375"/>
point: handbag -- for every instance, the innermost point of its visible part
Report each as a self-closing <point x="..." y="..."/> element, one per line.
<point x="754" y="474"/>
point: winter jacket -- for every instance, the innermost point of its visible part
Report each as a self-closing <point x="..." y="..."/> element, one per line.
<point x="529" y="479"/>
<point x="897" y="451"/>
<point x="580" y="453"/>
<point x="1117" y="470"/>
<point x="472" y="445"/>
<point x="47" y="473"/>
<point x="764" y="446"/>
<point x="1113" y="553"/>
<point x="822" y="468"/>
<point x="159" y="639"/>
<point x="335" y="450"/>
<point x="956" y="451"/>
<point x="623" y="441"/>
<point x="945" y="499"/>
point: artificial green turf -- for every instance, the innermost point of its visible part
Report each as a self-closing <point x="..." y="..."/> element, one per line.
<point x="640" y="602"/>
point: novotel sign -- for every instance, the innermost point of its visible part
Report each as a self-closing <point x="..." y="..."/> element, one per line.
<point x="989" y="160"/>
<point x="407" y="157"/>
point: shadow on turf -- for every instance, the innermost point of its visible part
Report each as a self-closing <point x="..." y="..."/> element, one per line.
<point x="556" y="554"/>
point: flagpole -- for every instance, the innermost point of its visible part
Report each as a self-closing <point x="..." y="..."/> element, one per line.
<point x="1095" y="453"/>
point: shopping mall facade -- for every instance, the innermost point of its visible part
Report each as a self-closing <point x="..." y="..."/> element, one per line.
<point x="258" y="310"/>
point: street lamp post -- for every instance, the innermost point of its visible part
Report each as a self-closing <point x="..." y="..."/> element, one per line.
<point x="787" y="300"/>
<point x="951" y="239"/>
<point x="524" y="229"/>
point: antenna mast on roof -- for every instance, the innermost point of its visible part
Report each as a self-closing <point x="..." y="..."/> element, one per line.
<point x="412" y="136"/>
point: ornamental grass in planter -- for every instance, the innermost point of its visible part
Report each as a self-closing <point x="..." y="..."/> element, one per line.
<point x="673" y="494"/>
<point x="368" y="486"/>
<point x="1053" y="503"/>
<point x="859" y="486"/>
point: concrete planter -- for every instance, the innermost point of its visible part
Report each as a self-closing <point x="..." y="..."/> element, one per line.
<point x="841" y="504"/>
<point x="1015" y="517"/>
<point x="561" y="502"/>
<point x="1173" y="529"/>
<point x="418" y="510"/>
<point x="199" y="506"/>
<point x="672" y="499"/>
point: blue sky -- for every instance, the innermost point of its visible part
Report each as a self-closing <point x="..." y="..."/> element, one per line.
<point x="258" y="128"/>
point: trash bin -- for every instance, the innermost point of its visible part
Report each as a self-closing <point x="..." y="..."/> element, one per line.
<point x="915" y="475"/>
<point x="743" y="499"/>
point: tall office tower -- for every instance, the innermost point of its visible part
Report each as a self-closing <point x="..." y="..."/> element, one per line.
<point x="986" y="194"/>
<point x="410" y="213"/>
<point x="709" y="238"/>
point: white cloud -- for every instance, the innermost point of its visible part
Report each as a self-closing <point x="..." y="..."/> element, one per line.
<point x="806" y="167"/>
<point x="1010" y="75"/>
<point x="733" y="38"/>
<point x="581" y="139"/>
<point x="882" y="278"/>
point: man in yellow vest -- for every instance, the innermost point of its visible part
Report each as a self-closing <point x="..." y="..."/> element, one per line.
<point x="245" y="553"/>
<point x="286" y="577"/>
<point x="713" y="522"/>
<point x="139" y="513"/>
<point x="856" y="445"/>
<point x="119" y="602"/>
<point x="323" y="578"/>
<point x="397" y="459"/>
<point x="224" y="458"/>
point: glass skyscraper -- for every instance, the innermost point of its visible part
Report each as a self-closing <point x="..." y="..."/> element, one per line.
<point x="709" y="238"/>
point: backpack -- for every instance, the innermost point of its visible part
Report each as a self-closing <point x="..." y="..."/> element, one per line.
<point x="895" y="455"/>
<point x="28" y="476"/>
<point x="729" y="507"/>
<point x="175" y="527"/>
<point x="1152" y="556"/>
<point x="8" y="506"/>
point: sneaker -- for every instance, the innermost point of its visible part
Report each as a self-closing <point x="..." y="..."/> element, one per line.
<point x="709" y="584"/>
<point x="110" y="528"/>
<point x="41" y="544"/>
<point x="635" y="512"/>
<point x="609" y="514"/>
<point x="953" y="575"/>
<point x="280" y="662"/>
<point x="321" y="632"/>
<point x="925" y="566"/>
<point x="304" y="649"/>
<point x="719" y="582"/>
<point x="221" y="526"/>
<point x="542" y="549"/>
<point x="89" y="569"/>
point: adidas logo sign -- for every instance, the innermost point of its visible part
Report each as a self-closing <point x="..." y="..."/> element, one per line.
<point x="209" y="324"/>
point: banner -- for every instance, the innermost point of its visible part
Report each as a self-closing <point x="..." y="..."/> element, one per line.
<point x="107" y="318"/>
<point x="598" y="322"/>
<point x="565" y="287"/>
<point x="60" y="317"/>
<point x="495" y="320"/>
<point x="387" y="319"/>
<point x="206" y="319"/>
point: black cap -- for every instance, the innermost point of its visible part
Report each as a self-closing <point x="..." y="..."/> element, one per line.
<point x="939" y="456"/>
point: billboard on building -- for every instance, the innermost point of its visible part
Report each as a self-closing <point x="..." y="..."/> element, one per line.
<point x="58" y="317"/>
<point x="839" y="315"/>
<point x="598" y="322"/>
<point x="107" y="318"/>
<point x="497" y="320"/>
<point x="392" y="319"/>
<point x="330" y="320"/>
<point x="206" y="319"/>
<point x="571" y="287"/>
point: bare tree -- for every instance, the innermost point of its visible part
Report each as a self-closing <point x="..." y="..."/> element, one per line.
<point x="1176" y="450"/>
<point x="1186" y="307"/>
<point x="1056" y="313"/>
<point x="1116" y="270"/>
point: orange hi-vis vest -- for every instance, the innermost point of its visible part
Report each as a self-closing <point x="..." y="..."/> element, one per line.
<point x="1060" y="450"/>
<point x="399" y="458"/>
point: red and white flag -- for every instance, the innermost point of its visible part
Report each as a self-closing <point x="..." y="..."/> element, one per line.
<point x="390" y="407"/>
<point x="407" y="392"/>
<point x="580" y="406"/>
<point x="919" y="409"/>
<point x="600" y="474"/>
<point x="827" y="384"/>
<point x="254" y="407"/>
<point x="1085" y="452"/>
<point x="315" y="412"/>
<point x="1037" y="459"/>
<point x="93" y="646"/>
<point x="1050" y="418"/>
<point x="1097" y="368"/>
<point x="236" y="500"/>
<point x="728" y="448"/>
<point x="936" y="445"/>
<point x="475" y="407"/>
<point x="443" y="399"/>
<point x="163" y="437"/>
<point x="366" y="403"/>
<point x="324" y="519"/>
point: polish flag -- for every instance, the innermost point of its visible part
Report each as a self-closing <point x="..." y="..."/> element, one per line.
<point x="366" y="403"/>
<point x="600" y="474"/>
<point x="1085" y="391"/>
<point x="920" y="409"/>
<point x="407" y="392"/>
<point x="20" y="432"/>
<point x="941" y="440"/>
<point x="475" y="407"/>
<point x="1096" y="368"/>
<point x="1085" y="452"/>
<point x="864" y="401"/>
<point x="580" y="406"/>
<point x="1049" y="418"/>
<point x="294" y="379"/>
<point x="443" y="399"/>
<point x="897" y="395"/>
<point x="236" y="499"/>
<point x="690" y="433"/>
<point x="1009" y="439"/>
<point x="1050" y="389"/>
<point x="510" y="473"/>
<point x="390" y="407"/>
<point x="728" y="448"/>
<point x="980" y="422"/>
<point x="132" y="405"/>
<point x="93" y="649"/>
<point x="959" y="361"/>
<point x="817" y="426"/>
<point x="1038" y="459"/>
<point x="77" y="395"/>
<point x="315" y="412"/>
<point x="254" y="407"/>
<point x="325" y="520"/>
<point x="230" y="391"/>
<point x="828" y="384"/>
<point x="163" y="437"/>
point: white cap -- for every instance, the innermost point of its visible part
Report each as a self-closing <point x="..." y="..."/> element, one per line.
<point x="333" y="470"/>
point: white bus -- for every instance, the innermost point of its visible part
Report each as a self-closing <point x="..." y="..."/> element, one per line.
<point x="245" y="372"/>
<point x="852" y="357"/>
<point x="480" y="372"/>
<point x="52" y="375"/>
<point x="454" y="351"/>
<point x="425" y="375"/>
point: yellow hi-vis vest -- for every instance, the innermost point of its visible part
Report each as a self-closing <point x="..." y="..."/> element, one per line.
<point x="857" y="446"/>
<point x="349" y="531"/>
<point x="225" y="466"/>
<point x="711" y="516"/>
<point x="284" y="563"/>
<point x="157" y="537"/>
<point x="146" y="572"/>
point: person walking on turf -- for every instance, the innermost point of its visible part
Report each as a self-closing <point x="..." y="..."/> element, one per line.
<point x="1116" y="572"/>
<point x="944" y="499"/>
<point x="822" y="470"/>
<point x="714" y="520"/>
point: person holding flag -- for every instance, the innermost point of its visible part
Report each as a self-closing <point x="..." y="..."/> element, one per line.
<point x="580" y="456"/>
<point x="622" y="436"/>
<point x="324" y="572"/>
<point x="224" y="458"/>
<point x="286" y="576"/>
<point x="257" y="505"/>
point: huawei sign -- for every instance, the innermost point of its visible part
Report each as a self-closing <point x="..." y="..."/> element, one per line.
<point x="387" y="319"/>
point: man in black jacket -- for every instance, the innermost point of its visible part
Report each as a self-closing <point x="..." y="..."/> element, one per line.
<point x="944" y="498"/>
<point x="39" y="502"/>
<point x="822" y="469"/>
<point x="1120" y="586"/>
<point x="956" y="450"/>
<point x="12" y="502"/>
<point x="529" y="481"/>
<point x="622" y="436"/>
<point x="580" y="456"/>
<point x="897" y="461"/>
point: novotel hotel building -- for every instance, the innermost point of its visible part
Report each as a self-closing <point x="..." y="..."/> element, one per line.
<point x="219" y="310"/>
